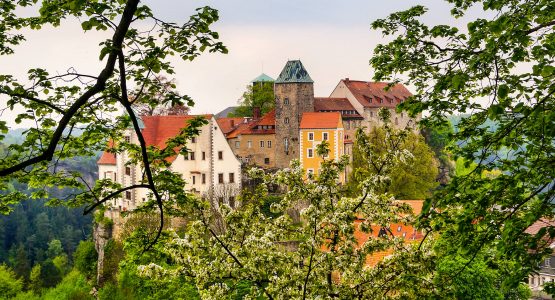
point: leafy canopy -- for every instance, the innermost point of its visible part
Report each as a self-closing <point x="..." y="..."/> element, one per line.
<point x="497" y="69"/>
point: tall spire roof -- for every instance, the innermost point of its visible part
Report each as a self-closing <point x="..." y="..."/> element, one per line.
<point x="294" y="72"/>
<point x="263" y="78"/>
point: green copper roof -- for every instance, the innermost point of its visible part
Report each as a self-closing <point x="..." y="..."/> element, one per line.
<point x="263" y="78"/>
<point x="293" y="72"/>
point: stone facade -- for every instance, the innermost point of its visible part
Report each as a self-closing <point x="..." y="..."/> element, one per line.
<point x="292" y="100"/>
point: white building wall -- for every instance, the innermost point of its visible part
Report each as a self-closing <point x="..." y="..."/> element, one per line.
<point x="211" y="141"/>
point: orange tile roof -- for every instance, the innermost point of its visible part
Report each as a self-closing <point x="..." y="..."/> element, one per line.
<point x="322" y="104"/>
<point x="228" y="124"/>
<point x="396" y="229"/>
<point x="320" y="120"/>
<point x="372" y="94"/>
<point x="539" y="224"/>
<point x="107" y="158"/>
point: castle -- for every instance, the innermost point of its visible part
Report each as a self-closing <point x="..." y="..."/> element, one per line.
<point x="273" y="140"/>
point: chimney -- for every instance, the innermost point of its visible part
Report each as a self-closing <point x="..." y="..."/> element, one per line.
<point x="232" y="122"/>
<point x="347" y="79"/>
<point x="256" y="113"/>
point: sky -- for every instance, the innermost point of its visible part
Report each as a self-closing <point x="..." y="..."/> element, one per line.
<point x="333" y="39"/>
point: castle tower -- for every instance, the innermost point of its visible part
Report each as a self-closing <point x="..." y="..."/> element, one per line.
<point x="294" y="95"/>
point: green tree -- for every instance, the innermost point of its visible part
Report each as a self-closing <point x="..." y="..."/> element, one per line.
<point x="54" y="248"/>
<point x="498" y="70"/>
<point x="259" y="95"/>
<point x="85" y="259"/>
<point x="35" y="282"/>
<point x="10" y="285"/>
<point x="415" y="179"/>
<point x="131" y="58"/>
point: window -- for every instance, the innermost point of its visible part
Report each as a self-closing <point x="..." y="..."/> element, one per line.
<point x="286" y="101"/>
<point x="221" y="201"/>
<point x="220" y="177"/>
<point x="396" y="121"/>
<point x="128" y="195"/>
<point x="237" y="144"/>
<point x="127" y="139"/>
<point x="203" y="155"/>
<point x="402" y="115"/>
<point x="194" y="179"/>
<point x="399" y="228"/>
<point x="371" y="114"/>
<point x="220" y="155"/>
<point x="325" y="136"/>
<point x="348" y="124"/>
<point x="310" y="171"/>
<point x="232" y="202"/>
<point x="192" y="155"/>
<point x="547" y="262"/>
<point x="127" y="171"/>
<point x="267" y="160"/>
<point x="310" y="153"/>
<point x="194" y="139"/>
<point x="261" y="144"/>
<point x="203" y="177"/>
<point x="249" y="144"/>
<point x="231" y="177"/>
<point x="286" y="144"/>
<point x="269" y="144"/>
<point x="286" y="121"/>
<point x="311" y="136"/>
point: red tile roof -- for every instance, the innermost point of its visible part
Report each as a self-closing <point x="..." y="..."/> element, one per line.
<point x="323" y="120"/>
<point x="158" y="129"/>
<point x="107" y="158"/>
<point x="372" y="94"/>
<point x="322" y="104"/>
<point x="228" y="124"/>
<point x="268" y="119"/>
<point x="253" y="127"/>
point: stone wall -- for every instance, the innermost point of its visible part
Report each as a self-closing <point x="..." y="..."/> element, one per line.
<point x="292" y="100"/>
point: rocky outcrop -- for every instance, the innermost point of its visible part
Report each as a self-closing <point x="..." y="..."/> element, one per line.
<point x="102" y="234"/>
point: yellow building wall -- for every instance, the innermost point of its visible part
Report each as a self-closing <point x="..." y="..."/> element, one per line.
<point x="336" y="147"/>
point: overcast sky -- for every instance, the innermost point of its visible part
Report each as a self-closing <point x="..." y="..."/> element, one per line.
<point x="333" y="39"/>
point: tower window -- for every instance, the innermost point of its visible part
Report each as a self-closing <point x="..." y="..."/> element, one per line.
<point x="267" y="160"/>
<point x="286" y="101"/>
<point x="286" y="144"/>
<point x="286" y="121"/>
